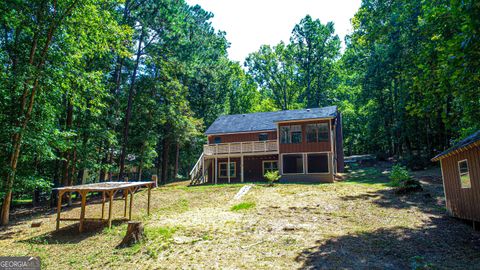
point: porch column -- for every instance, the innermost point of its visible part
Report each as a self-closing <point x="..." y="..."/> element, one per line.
<point x="228" y="168"/>
<point x="203" y="169"/>
<point x="241" y="169"/>
<point x="216" y="169"/>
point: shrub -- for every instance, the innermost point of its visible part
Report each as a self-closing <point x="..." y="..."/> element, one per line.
<point x="398" y="175"/>
<point x="401" y="179"/>
<point x="272" y="177"/>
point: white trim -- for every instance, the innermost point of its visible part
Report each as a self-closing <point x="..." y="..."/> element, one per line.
<point x="303" y="162"/>
<point x="228" y="169"/>
<point x="328" y="164"/>
<point x="241" y="132"/>
<point x="460" y="174"/>
<point x="242" y="160"/>
<point x="216" y="170"/>
<point x="270" y="161"/>
<point x="305" y="120"/>
<point x="444" y="189"/>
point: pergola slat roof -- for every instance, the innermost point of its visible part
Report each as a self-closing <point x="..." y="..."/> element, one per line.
<point x="105" y="186"/>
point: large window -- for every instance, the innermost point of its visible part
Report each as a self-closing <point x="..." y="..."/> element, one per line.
<point x="317" y="132"/>
<point x="293" y="163"/>
<point x="217" y="140"/>
<point x="263" y="137"/>
<point x="223" y="171"/>
<point x="464" y="174"/>
<point x="317" y="163"/>
<point x="291" y="134"/>
<point x="269" y="166"/>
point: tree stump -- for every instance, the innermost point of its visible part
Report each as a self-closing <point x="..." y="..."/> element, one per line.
<point x="135" y="234"/>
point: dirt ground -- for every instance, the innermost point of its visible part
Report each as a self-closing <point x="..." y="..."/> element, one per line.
<point x="357" y="223"/>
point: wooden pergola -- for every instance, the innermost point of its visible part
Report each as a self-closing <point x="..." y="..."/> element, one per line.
<point x="107" y="189"/>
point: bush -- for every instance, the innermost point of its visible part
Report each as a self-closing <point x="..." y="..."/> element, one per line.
<point x="398" y="175"/>
<point x="401" y="179"/>
<point x="272" y="177"/>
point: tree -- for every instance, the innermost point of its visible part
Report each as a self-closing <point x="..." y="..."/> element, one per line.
<point x="275" y="73"/>
<point x="315" y="49"/>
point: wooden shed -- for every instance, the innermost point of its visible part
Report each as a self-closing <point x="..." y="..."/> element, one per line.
<point x="461" y="178"/>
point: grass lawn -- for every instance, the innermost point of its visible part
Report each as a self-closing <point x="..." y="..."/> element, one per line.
<point x="356" y="223"/>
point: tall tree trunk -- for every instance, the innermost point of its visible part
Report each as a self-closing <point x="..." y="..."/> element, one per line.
<point x="18" y="136"/>
<point x="177" y="154"/>
<point x="165" y="154"/>
<point x="128" y="111"/>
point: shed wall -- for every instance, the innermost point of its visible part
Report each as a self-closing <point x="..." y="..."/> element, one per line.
<point x="462" y="202"/>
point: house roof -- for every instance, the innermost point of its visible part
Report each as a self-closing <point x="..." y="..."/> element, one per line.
<point x="469" y="142"/>
<point x="264" y="121"/>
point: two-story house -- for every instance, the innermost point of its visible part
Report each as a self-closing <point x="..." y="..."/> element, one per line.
<point x="303" y="145"/>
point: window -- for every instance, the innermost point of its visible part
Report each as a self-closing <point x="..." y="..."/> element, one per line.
<point x="270" y="166"/>
<point x="317" y="132"/>
<point x="263" y="137"/>
<point x="223" y="172"/>
<point x="285" y="134"/>
<point x="317" y="163"/>
<point x="293" y="163"/>
<point x="464" y="174"/>
<point x="291" y="134"/>
<point x="217" y="140"/>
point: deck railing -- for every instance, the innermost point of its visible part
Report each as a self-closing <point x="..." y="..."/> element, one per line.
<point x="241" y="148"/>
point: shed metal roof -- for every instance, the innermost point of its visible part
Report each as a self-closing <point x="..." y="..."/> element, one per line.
<point x="264" y="121"/>
<point x="468" y="142"/>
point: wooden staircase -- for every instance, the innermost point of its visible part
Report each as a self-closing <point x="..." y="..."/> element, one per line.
<point x="198" y="175"/>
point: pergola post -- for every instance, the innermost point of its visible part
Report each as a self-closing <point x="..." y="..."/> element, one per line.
<point x="82" y="211"/>
<point x="131" y="204"/>
<point x="148" y="199"/>
<point x="59" y="208"/>
<point x="103" y="204"/>
<point x="241" y="169"/>
<point x="125" y="195"/>
<point x="110" y="198"/>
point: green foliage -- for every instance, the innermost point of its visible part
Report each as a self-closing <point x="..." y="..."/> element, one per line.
<point x="398" y="175"/>
<point x="242" y="206"/>
<point x="403" y="182"/>
<point x="272" y="177"/>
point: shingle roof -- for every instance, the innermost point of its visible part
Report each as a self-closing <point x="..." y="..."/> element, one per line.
<point x="265" y="120"/>
<point x="471" y="140"/>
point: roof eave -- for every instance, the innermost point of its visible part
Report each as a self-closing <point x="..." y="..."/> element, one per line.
<point x="236" y="132"/>
<point x="456" y="151"/>
<point x="306" y="119"/>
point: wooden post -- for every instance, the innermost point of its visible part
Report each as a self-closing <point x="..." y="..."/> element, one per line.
<point x="125" y="194"/>
<point x="131" y="204"/>
<point x="103" y="204"/>
<point x="148" y="199"/>
<point x="110" y="198"/>
<point x="241" y="170"/>
<point x="228" y="169"/>
<point x="82" y="211"/>
<point x="59" y="208"/>
<point x="216" y="170"/>
<point x="203" y="168"/>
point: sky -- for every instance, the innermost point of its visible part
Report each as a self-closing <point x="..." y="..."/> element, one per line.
<point x="252" y="23"/>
